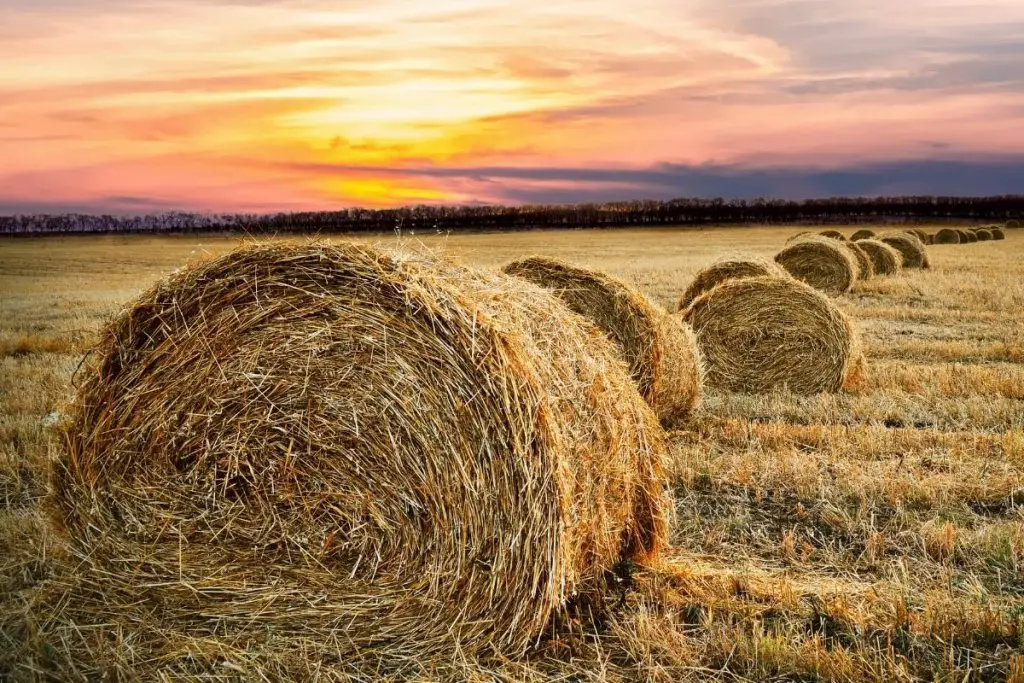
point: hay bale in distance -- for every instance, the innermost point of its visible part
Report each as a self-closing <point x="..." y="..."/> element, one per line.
<point x="729" y="268"/>
<point x="972" y="236"/>
<point x="863" y="235"/>
<point x="885" y="260"/>
<point x="1013" y="224"/>
<point x="833" y="234"/>
<point x="865" y="268"/>
<point x="821" y="263"/>
<point x="349" y="453"/>
<point x="661" y="354"/>
<point x="966" y="236"/>
<point x="947" y="236"/>
<point x="983" y="235"/>
<point x="762" y="334"/>
<point x="915" y="255"/>
<point x="998" y="234"/>
<point x="920" y="234"/>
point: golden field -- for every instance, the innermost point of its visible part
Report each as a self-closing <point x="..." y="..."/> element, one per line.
<point x="876" y="535"/>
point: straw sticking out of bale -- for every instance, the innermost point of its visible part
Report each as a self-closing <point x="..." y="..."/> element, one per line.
<point x="762" y="334"/>
<point x="339" y="452"/>
<point x="661" y="354"/>
<point x="729" y="268"/>
<point x="821" y="263"/>
<point x="885" y="260"/>
<point x="862" y="235"/>
<point x="947" y="236"/>
<point x="865" y="268"/>
<point x="915" y="255"/>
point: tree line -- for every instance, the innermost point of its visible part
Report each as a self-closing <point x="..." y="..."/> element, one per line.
<point x="439" y="218"/>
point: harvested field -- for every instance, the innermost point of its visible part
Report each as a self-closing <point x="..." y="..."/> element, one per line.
<point x="875" y="534"/>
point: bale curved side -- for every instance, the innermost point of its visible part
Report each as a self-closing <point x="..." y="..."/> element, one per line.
<point x="729" y="268"/>
<point x="662" y="357"/>
<point x="885" y="260"/>
<point x="762" y="334"/>
<point x="821" y="263"/>
<point x="915" y="255"/>
<point x="833" y="234"/>
<point x="863" y="235"/>
<point x="984" y="235"/>
<point x="1013" y="224"/>
<point x="998" y="234"/>
<point x="865" y="268"/>
<point x="947" y="236"/>
<point x="333" y="451"/>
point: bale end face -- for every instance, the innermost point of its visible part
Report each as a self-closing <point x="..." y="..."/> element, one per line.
<point x="947" y="236"/>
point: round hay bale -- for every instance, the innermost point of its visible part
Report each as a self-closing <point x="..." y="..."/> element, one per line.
<point x="729" y="268"/>
<point x="661" y="353"/>
<point x="947" y="236"/>
<point x="762" y="334"/>
<point x="863" y="235"/>
<point x="821" y="263"/>
<point x="998" y="234"/>
<point x="915" y="255"/>
<point x="930" y="240"/>
<point x="972" y="236"/>
<point x="334" y="451"/>
<point x="865" y="268"/>
<point x="802" y="233"/>
<point x="1013" y="225"/>
<point x="966" y="236"/>
<point x="983" y="235"/>
<point x="833" y="234"/>
<point x="885" y="260"/>
<point x="920" y="234"/>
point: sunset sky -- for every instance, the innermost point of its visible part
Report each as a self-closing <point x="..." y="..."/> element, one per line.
<point x="265" y="105"/>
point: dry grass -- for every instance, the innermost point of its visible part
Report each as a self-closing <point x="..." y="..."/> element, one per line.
<point x="873" y="536"/>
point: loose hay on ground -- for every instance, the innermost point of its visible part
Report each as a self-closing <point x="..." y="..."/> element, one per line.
<point x="303" y="455"/>
<point x="821" y="263"/>
<point x="762" y="334"/>
<point x="729" y="268"/>
<point x="661" y="353"/>
<point x="885" y="260"/>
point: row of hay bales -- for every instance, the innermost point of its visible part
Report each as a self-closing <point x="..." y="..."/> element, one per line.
<point x="968" y="235"/>
<point x="307" y="454"/>
<point x="831" y="263"/>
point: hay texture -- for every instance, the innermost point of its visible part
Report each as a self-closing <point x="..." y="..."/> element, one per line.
<point x="972" y="236"/>
<point x="729" y="268"/>
<point x="966" y="236"/>
<point x="947" y="236"/>
<point x="763" y="334"/>
<point x="865" y="268"/>
<point x="915" y="255"/>
<point x="984" y="235"/>
<point x="833" y="234"/>
<point x="301" y="454"/>
<point x="885" y="260"/>
<point x="821" y="263"/>
<point x="863" y="235"/>
<point x="661" y="353"/>
<point x="998" y="234"/>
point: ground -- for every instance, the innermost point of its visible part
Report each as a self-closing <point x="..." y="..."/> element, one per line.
<point x="875" y="535"/>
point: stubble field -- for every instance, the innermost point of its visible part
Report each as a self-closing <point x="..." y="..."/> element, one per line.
<point x="874" y="535"/>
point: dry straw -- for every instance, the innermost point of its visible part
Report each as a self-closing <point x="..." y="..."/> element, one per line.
<point x="885" y="260"/>
<point x="983" y="235"/>
<point x="820" y="262"/>
<point x="947" y="236"/>
<point x="865" y="268"/>
<point x="729" y="268"/>
<point x="863" y="235"/>
<point x="300" y="454"/>
<point x="763" y="334"/>
<point x="915" y="255"/>
<point x="661" y="352"/>
<point x="834" y="234"/>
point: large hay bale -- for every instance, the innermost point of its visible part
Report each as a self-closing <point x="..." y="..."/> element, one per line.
<point x="863" y="235"/>
<point x="802" y="233"/>
<point x="885" y="260"/>
<point x="729" y="268"/>
<point x="761" y="334"/>
<point x="972" y="236"/>
<point x="865" y="268"/>
<point x="821" y="263"/>
<point x="833" y="234"/>
<point x="920" y="234"/>
<point x="1013" y="224"/>
<point x="983" y="235"/>
<point x="333" y="452"/>
<point x="947" y="236"/>
<point x="661" y="353"/>
<point x="998" y="234"/>
<point x="915" y="255"/>
<point x="966" y="236"/>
